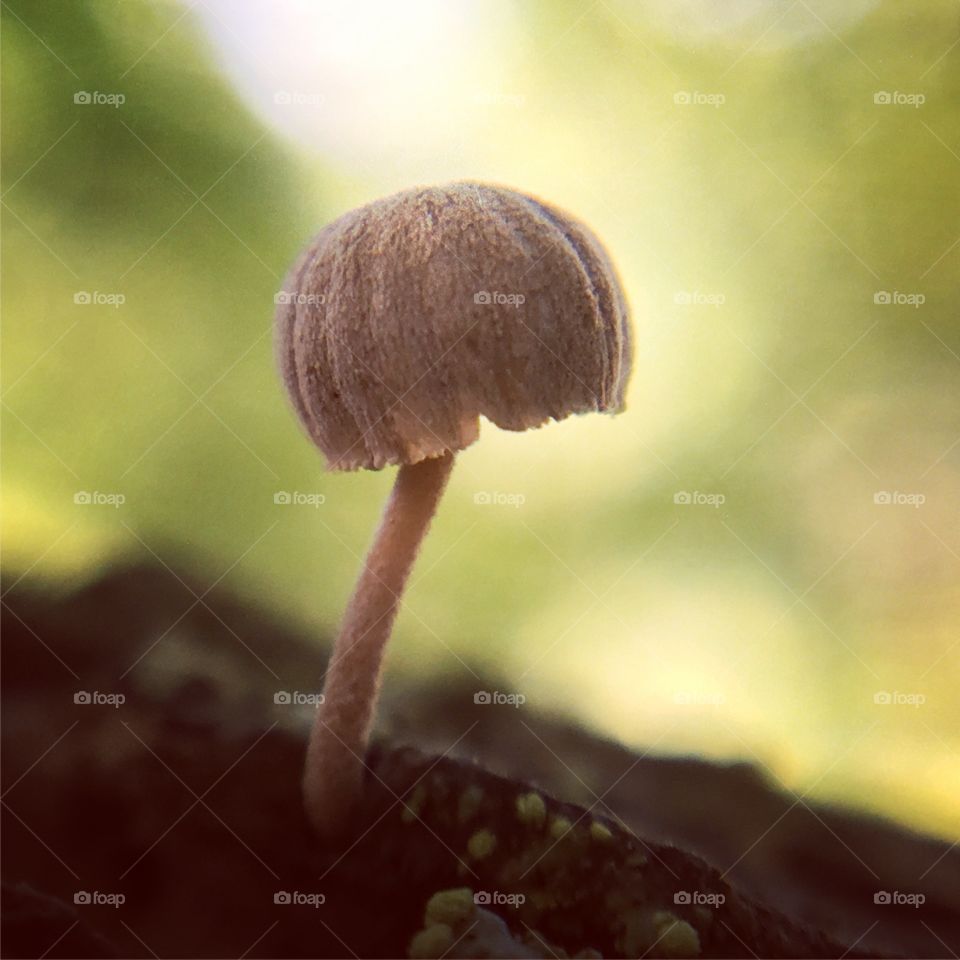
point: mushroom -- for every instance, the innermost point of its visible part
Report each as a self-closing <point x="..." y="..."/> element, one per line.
<point x="402" y="323"/>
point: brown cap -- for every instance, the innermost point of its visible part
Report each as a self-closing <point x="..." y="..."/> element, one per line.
<point x="407" y="319"/>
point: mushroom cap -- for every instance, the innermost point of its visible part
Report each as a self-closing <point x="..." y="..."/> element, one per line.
<point x="408" y="318"/>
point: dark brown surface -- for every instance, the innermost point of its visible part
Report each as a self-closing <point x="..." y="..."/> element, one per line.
<point x="186" y="800"/>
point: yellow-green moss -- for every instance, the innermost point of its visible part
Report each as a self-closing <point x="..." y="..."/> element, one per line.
<point x="531" y="809"/>
<point x="560" y="827"/>
<point x="600" y="832"/>
<point x="636" y="859"/>
<point x="481" y="844"/>
<point x="449" y="907"/>
<point x="675" y="937"/>
<point x="414" y="804"/>
<point x="431" y="943"/>
<point x="469" y="804"/>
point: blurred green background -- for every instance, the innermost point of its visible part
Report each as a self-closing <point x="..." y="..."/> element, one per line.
<point x="778" y="184"/>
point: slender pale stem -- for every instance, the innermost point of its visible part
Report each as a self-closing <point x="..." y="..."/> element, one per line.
<point x="333" y="774"/>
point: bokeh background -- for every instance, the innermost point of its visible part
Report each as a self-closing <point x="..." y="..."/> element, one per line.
<point x="778" y="185"/>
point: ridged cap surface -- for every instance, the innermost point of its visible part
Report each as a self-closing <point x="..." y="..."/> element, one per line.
<point x="408" y="318"/>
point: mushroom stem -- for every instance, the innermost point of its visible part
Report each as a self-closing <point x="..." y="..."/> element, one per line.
<point x="338" y="742"/>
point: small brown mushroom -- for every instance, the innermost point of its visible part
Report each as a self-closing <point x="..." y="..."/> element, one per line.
<point x="402" y="323"/>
